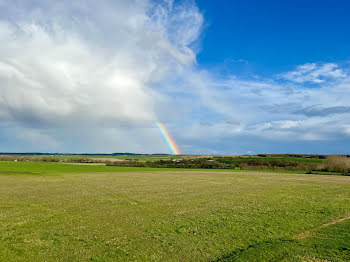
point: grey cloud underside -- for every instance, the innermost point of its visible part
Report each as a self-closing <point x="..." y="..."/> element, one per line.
<point x="232" y="122"/>
<point x="205" y="123"/>
<point x="310" y="111"/>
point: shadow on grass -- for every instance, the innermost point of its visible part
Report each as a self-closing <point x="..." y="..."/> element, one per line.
<point x="331" y="243"/>
<point x="271" y="250"/>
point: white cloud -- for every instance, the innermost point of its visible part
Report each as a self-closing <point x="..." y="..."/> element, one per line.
<point x="314" y="73"/>
<point x="75" y="64"/>
<point x="53" y="74"/>
<point x="346" y="129"/>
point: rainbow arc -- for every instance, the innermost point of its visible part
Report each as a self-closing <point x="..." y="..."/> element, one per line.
<point x="168" y="139"/>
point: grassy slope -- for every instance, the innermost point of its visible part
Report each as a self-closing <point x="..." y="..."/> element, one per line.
<point x="168" y="216"/>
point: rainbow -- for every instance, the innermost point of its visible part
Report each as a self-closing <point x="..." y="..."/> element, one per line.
<point x="168" y="139"/>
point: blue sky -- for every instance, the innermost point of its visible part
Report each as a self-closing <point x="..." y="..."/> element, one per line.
<point x="275" y="35"/>
<point x="225" y="77"/>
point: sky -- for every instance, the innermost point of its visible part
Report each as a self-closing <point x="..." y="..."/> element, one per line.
<point x="224" y="77"/>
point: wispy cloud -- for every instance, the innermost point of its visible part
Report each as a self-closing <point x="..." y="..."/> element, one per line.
<point x="301" y="114"/>
<point x="314" y="73"/>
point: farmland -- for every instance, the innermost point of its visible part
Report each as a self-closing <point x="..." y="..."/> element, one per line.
<point x="312" y="164"/>
<point x="67" y="212"/>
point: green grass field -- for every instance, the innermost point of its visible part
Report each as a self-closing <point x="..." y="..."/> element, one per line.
<point x="65" y="212"/>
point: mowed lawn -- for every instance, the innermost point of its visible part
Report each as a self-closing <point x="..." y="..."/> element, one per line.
<point x="62" y="212"/>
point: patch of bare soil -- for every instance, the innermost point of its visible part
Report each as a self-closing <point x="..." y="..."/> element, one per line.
<point x="108" y="159"/>
<point x="309" y="233"/>
<point x="86" y="164"/>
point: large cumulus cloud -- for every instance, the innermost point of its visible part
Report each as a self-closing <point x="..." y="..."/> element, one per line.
<point x="83" y="62"/>
<point x="96" y="64"/>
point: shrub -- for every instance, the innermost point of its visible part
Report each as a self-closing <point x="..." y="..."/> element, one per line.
<point x="337" y="164"/>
